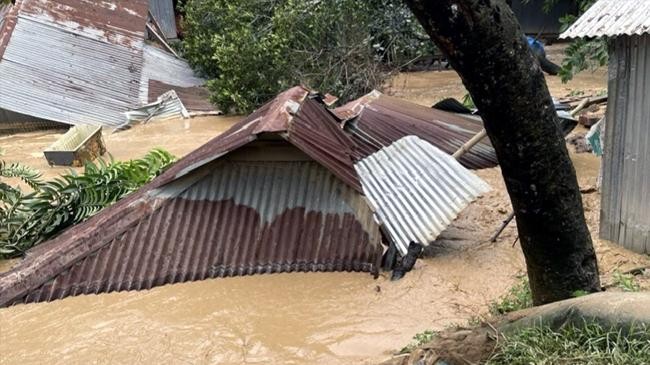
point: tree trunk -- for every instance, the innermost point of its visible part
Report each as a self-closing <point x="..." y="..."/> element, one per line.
<point x="485" y="45"/>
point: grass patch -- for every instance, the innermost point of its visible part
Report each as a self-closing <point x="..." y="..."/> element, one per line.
<point x="626" y="282"/>
<point x="519" y="297"/>
<point x="419" y="340"/>
<point x="589" y="344"/>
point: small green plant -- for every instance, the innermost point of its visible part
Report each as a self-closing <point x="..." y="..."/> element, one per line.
<point x="27" y="219"/>
<point x="580" y="293"/>
<point x="468" y="102"/>
<point x="625" y="282"/>
<point x="419" y="340"/>
<point x="589" y="343"/>
<point x="519" y="297"/>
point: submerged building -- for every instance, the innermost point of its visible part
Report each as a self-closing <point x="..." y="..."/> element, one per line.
<point x="289" y="188"/>
<point x="84" y="62"/>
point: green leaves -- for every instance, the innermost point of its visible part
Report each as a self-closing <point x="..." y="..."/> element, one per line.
<point x="28" y="219"/>
<point x="253" y="49"/>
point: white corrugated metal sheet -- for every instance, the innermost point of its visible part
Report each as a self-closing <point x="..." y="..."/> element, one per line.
<point x="162" y="66"/>
<point x="416" y="189"/>
<point x="167" y="106"/>
<point x="625" y="206"/>
<point x="67" y="69"/>
<point x="612" y="18"/>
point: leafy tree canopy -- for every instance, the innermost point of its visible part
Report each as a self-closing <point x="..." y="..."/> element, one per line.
<point x="252" y="49"/>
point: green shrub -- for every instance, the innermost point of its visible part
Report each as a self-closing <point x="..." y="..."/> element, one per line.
<point x="28" y="219"/>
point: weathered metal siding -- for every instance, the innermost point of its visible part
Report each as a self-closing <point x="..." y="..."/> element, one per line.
<point x="417" y="189"/>
<point x="163" y="12"/>
<point x="625" y="208"/>
<point x="72" y="63"/>
<point x="163" y="66"/>
<point x="240" y="218"/>
<point x="612" y="18"/>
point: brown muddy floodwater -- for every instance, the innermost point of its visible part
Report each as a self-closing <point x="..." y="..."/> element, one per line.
<point x="297" y="318"/>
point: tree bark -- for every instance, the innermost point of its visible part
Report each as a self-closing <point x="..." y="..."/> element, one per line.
<point x="485" y="45"/>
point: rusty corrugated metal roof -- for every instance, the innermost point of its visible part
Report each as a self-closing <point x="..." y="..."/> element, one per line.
<point x="96" y="67"/>
<point x="241" y="218"/>
<point x="333" y="148"/>
<point x="91" y="70"/>
<point x="612" y="18"/>
<point x="376" y="120"/>
<point x="279" y="191"/>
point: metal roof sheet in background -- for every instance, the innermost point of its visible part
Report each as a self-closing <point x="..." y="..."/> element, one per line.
<point x="167" y="106"/>
<point x="79" y="80"/>
<point x="612" y="18"/>
<point x="117" y="22"/>
<point x="90" y="71"/>
<point x="164" y="67"/>
<point x="163" y="12"/>
<point x="416" y="189"/>
<point x="376" y="120"/>
<point x="324" y="225"/>
<point x="195" y="98"/>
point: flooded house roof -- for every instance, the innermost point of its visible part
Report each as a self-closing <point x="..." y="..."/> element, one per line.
<point x="375" y="120"/>
<point x="611" y="18"/>
<point x="96" y="67"/>
<point x="283" y="190"/>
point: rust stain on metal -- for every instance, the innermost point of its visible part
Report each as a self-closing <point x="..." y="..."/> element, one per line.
<point x="119" y="20"/>
<point x="278" y="192"/>
<point x="376" y="120"/>
<point x="264" y="216"/>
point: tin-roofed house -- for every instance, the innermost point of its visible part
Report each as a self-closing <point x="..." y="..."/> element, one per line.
<point x="625" y="205"/>
<point x="84" y="62"/>
<point x="286" y="189"/>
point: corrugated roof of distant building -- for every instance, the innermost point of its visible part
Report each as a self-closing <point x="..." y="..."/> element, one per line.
<point x="612" y="18"/>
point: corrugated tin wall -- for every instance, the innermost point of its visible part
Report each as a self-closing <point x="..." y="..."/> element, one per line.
<point x="232" y="218"/>
<point x="625" y="208"/>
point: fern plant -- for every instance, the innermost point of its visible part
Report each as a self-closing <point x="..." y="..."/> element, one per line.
<point x="28" y="219"/>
